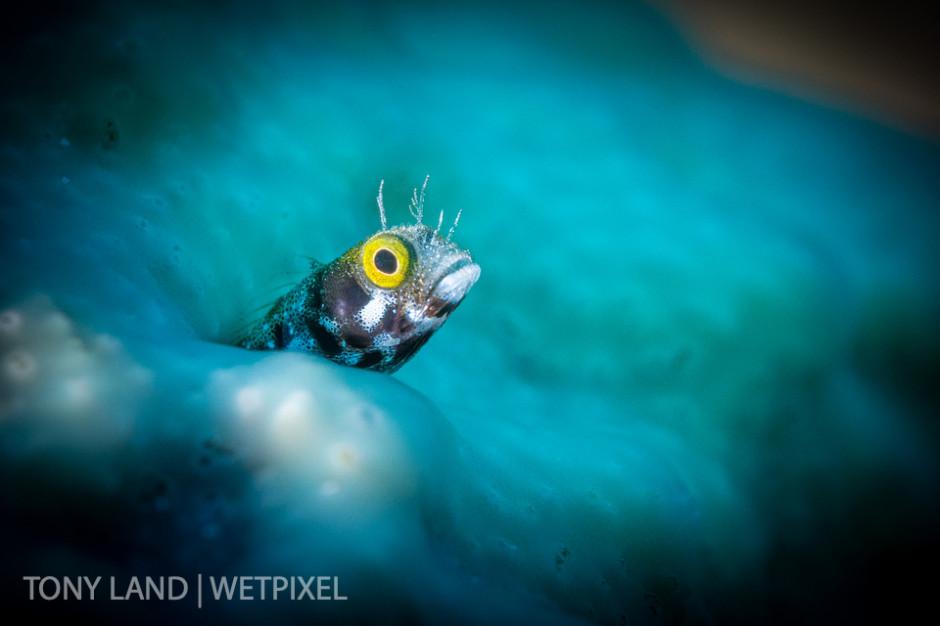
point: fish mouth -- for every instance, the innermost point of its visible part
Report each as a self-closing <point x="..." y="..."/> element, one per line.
<point x="451" y="288"/>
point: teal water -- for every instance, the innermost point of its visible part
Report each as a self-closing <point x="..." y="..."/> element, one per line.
<point x="695" y="382"/>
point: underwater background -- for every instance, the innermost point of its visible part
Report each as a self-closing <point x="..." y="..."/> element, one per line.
<point x="696" y="382"/>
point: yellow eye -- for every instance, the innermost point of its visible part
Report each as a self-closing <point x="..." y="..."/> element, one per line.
<point x="385" y="258"/>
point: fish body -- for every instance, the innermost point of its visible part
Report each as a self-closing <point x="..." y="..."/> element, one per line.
<point x="377" y="304"/>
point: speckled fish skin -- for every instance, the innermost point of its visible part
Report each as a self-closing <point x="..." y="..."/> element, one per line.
<point x="377" y="304"/>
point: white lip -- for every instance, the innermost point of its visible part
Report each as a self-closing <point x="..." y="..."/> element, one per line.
<point x="454" y="286"/>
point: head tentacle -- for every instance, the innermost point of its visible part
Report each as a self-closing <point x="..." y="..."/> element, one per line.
<point x="382" y="206"/>
<point x="417" y="210"/>
<point x="417" y="202"/>
<point x="450" y="233"/>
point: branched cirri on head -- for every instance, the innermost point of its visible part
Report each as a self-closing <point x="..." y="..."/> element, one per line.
<point x="378" y="303"/>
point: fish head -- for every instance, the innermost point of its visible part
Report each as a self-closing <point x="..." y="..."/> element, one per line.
<point x="387" y="295"/>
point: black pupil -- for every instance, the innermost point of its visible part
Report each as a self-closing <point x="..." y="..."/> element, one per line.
<point x="385" y="261"/>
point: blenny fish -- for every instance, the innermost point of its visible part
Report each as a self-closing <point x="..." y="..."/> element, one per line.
<point x="378" y="303"/>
